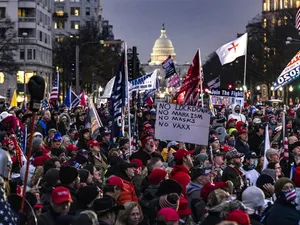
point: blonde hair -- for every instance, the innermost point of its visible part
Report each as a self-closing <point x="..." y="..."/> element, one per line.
<point x="64" y="140"/>
<point x="123" y="215"/>
<point x="92" y="216"/>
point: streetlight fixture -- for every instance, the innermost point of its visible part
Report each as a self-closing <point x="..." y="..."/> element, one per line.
<point x="272" y="88"/>
<point x="280" y="89"/>
<point x="291" y="88"/>
<point x="24" y="35"/>
<point x="289" y="38"/>
<point x="258" y="88"/>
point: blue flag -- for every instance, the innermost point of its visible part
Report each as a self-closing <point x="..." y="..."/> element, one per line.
<point x="118" y="100"/>
<point x="67" y="101"/>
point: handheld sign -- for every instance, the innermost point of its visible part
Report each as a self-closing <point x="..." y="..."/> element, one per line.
<point x="182" y="123"/>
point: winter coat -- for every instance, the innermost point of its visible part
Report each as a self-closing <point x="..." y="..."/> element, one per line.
<point x="251" y="175"/>
<point x="98" y="162"/>
<point x="137" y="182"/>
<point x="128" y="194"/>
<point x="181" y="175"/>
<point x="241" y="147"/>
<point x="255" y="142"/>
<point x="282" y="213"/>
<point x="196" y="204"/>
<point x="235" y="175"/>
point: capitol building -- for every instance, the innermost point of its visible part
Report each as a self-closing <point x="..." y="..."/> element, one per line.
<point x="162" y="49"/>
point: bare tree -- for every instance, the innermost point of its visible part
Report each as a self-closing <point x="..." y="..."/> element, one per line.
<point x="8" y="46"/>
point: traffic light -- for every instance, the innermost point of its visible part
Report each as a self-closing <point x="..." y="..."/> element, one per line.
<point x="229" y="86"/>
<point x="133" y="63"/>
<point x="8" y="93"/>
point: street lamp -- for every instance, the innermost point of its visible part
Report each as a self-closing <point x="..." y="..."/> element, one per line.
<point x="272" y="88"/>
<point x="258" y="88"/>
<point x="24" y="35"/>
<point x="291" y="88"/>
<point x="280" y="89"/>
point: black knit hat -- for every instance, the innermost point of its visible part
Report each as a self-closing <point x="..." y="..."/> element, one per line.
<point x="57" y="151"/>
<point x="168" y="187"/>
<point x="83" y="174"/>
<point x="104" y="205"/>
<point x="87" y="194"/>
<point x="52" y="176"/>
<point x="68" y="174"/>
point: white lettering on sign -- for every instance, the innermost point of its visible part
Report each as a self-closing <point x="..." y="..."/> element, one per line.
<point x="182" y="123"/>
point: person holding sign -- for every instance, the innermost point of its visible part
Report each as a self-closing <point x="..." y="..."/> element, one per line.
<point x="181" y="171"/>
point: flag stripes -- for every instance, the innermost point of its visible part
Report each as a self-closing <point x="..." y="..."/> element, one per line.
<point x="298" y="20"/>
<point x="54" y="91"/>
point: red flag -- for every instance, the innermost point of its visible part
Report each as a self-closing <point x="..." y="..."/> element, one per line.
<point x="149" y="101"/>
<point x="82" y="100"/>
<point x="191" y="82"/>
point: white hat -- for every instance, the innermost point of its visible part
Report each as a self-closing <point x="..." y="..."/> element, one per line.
<point x="257" y="120"/>
<point x="253" y="197"/>
<point x="172" y="143"/>
<point x="4" y="115"/>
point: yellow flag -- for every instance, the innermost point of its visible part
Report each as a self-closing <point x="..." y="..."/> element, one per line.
<point x="14" y="100"/>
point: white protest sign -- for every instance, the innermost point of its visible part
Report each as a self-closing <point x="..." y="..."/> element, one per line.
<point x="146" y="82"/>
<point x="184" y="123"/>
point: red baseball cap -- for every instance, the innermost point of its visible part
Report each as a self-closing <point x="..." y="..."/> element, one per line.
<point x="93" y="143"/>
<point x="232" y="120"/>
<point x="181" y="153"/>
<point x="72" y="148"/>
<point x="115" y="181"/>
<point x="60" y="195"/>
<point x="138" y="163"/>
<point x="243" y="132"/>
<point x="169" y="214"/>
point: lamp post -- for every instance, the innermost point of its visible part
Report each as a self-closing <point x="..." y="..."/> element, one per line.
<point x="24" y="35"/>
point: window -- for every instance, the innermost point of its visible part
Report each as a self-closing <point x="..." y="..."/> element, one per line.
<point x="41" y="17"/>
<point x="33" y="53"/>
<point x="41" y="36"/>
<point x="75" y="11"/>
<point x="297" y="3"/>
<point x="60" y="10"/>
<point x="22" y="54"/>
<point x="279" y="22"/>
<point x="95" y="11"/>
<point x="74" y="0"/>
<point x="75" y="25"/>
<point x="265" y="22"/>
<point x="2" y="12"/>
<point x="46" y="38"/>
<point x="87" y="11"/>
<point x="285" y="4"/>
<point x="29" y="54"/>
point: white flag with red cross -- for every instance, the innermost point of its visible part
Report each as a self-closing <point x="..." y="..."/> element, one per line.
<point x="232" y="50"/>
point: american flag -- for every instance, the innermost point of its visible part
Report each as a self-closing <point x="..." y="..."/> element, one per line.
<point x="298" y="20"/>
<point x="54" y="91"/>
<point x="45" y="104"/>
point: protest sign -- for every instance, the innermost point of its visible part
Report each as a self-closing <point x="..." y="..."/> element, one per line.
<point x="182" y="123"/>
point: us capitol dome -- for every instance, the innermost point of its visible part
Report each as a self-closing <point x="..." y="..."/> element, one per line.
<point x="162" y="49"/>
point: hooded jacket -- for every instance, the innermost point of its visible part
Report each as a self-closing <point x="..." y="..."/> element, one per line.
<point x="196" y="204"/>
<point x="237" y="116"/>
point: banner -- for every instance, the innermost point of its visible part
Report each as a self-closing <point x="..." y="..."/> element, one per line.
<point x="290" y="73"/>
<point x="143" y="83"/>
<point x="227" y="97"/>
<point x="108" y="88"/>
<point x="182" y="123"/>
<point x="174" y="83"/>
<point x="169" y="66"/>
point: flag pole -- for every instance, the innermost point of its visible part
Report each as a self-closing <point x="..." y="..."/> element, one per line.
<point x="128" y="100"/>
<point x="245" y="66"/>
<point x="201" y="80"/>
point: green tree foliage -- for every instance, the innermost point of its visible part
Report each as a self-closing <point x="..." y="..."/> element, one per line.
<point x="8" y="46"/>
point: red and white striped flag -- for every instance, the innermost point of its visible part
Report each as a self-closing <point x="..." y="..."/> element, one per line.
<point x="191" y="82"/>
<point x="54" y="91"/>
<point x="298" y="20"/>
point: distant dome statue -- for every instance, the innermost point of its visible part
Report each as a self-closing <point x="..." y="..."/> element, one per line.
<point x="162" y="48"/>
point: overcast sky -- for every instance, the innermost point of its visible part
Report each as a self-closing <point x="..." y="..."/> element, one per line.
<point x="190" y="24"/>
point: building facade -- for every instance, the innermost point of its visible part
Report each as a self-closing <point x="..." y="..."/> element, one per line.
<point x="278" y="21"/>
<point x="70" y="15"/>
<point x="33" y="23"/>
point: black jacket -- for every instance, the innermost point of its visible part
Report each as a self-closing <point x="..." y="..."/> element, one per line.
<point x="282" y="213"/>
<point x="241" y="147"/>
<point x="254" y="143"/>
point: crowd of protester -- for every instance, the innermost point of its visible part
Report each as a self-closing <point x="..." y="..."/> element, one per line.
<point x="75" y="179"/>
